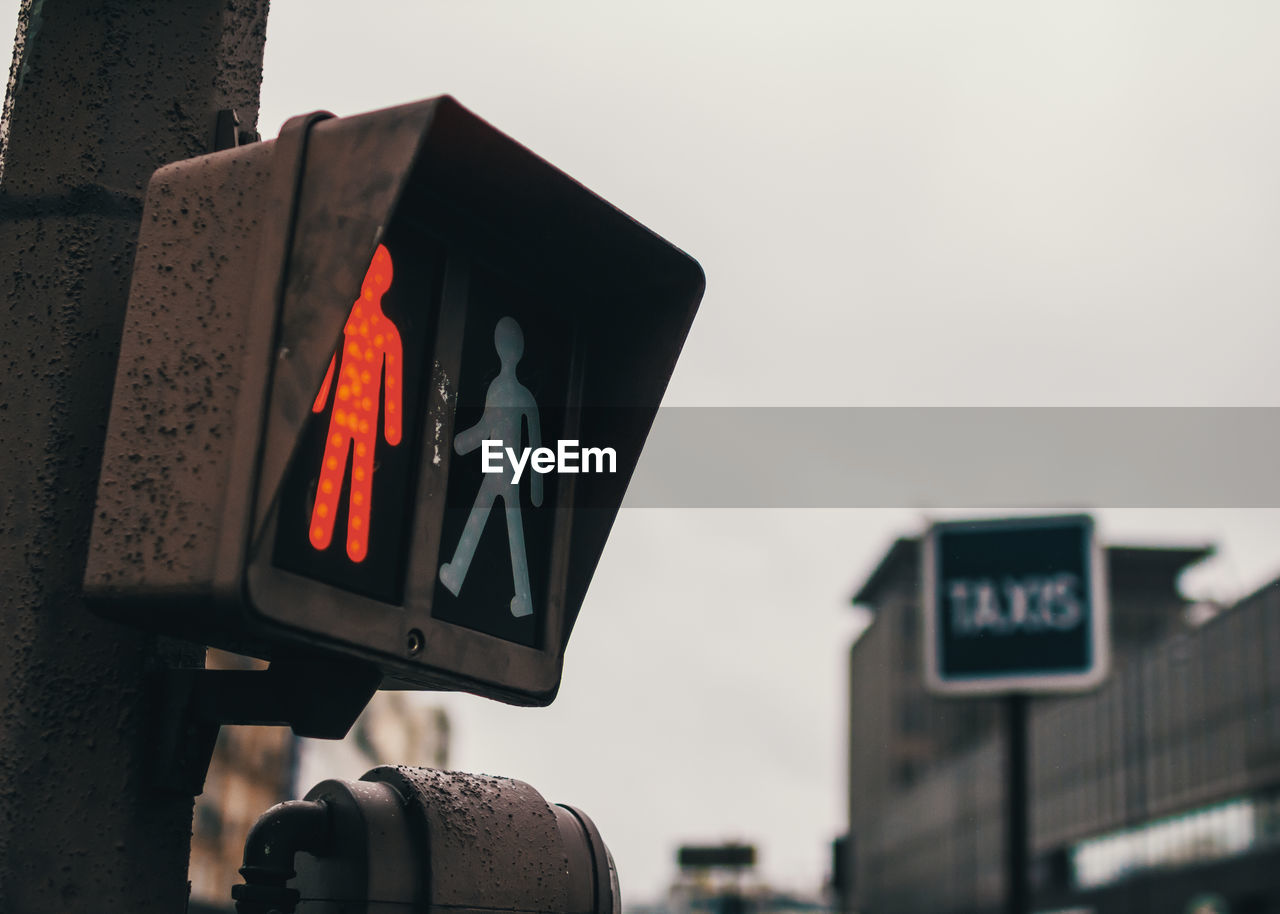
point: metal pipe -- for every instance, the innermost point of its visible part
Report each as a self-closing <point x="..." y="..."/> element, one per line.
<point x="279" y="833"/>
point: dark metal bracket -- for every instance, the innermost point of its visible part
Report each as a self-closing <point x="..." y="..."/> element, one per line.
<point x="316" y="698"/>
<point x="227" y="133"/>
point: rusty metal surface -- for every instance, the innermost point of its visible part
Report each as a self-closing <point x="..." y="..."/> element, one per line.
<point x="457" y="842"/>
<point x="101" y="93"/>
<point x="497" y="840"/>
<point x="182" y="364"/>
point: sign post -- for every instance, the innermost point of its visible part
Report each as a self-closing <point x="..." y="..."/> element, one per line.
<point x="1015" y="607"/>
<point x="1017" y="827"/>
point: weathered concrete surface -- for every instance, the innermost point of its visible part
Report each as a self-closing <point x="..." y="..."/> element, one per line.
<point x="100" y="94"/>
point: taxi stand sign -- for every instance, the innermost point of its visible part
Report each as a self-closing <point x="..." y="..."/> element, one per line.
<point x="1013" y="606"/>
<point x="319" y="327"/>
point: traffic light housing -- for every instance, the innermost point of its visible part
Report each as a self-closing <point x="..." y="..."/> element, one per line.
<point x="322" y="329"/>
<point x="418" y="839"/>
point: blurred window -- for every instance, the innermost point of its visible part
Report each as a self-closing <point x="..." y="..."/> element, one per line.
<point x="1197" y="836"/>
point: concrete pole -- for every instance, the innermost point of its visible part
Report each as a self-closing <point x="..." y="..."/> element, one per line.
<point x="100" y="94"/>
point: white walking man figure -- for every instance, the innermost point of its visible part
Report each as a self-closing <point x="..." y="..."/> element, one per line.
<point x="507" y="404"/>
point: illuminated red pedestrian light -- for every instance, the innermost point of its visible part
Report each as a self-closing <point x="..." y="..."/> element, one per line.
<point x="369" y="385"/>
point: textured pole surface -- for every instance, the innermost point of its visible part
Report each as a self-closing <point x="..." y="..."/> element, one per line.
<point x="100" y="94"/>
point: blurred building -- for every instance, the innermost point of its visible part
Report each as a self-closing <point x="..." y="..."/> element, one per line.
<point x="253" y="768"/>
<point x="722" y="879"/>
<point x="397" y="728"/>
<point x="251" y="771"/>
<point x="1160" y="788"/>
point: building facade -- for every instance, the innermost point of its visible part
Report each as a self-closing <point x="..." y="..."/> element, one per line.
<point x="1160" y="791"/>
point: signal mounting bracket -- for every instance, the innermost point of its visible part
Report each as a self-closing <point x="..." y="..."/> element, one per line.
<point x="319" y="698"/>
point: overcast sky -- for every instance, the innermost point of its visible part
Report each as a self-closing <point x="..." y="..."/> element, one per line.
<point x="895" y="203"/>
<point x="906" y="203"/>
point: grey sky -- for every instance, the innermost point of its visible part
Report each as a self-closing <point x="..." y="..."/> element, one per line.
<point x="906" y="203"/>
<point x="895" y="203"/>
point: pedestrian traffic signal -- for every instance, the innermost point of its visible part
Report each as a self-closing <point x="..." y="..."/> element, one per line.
<point x="382" y="385"/>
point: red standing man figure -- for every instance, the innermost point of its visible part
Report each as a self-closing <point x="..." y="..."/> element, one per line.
<point x="371" y="343"/>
